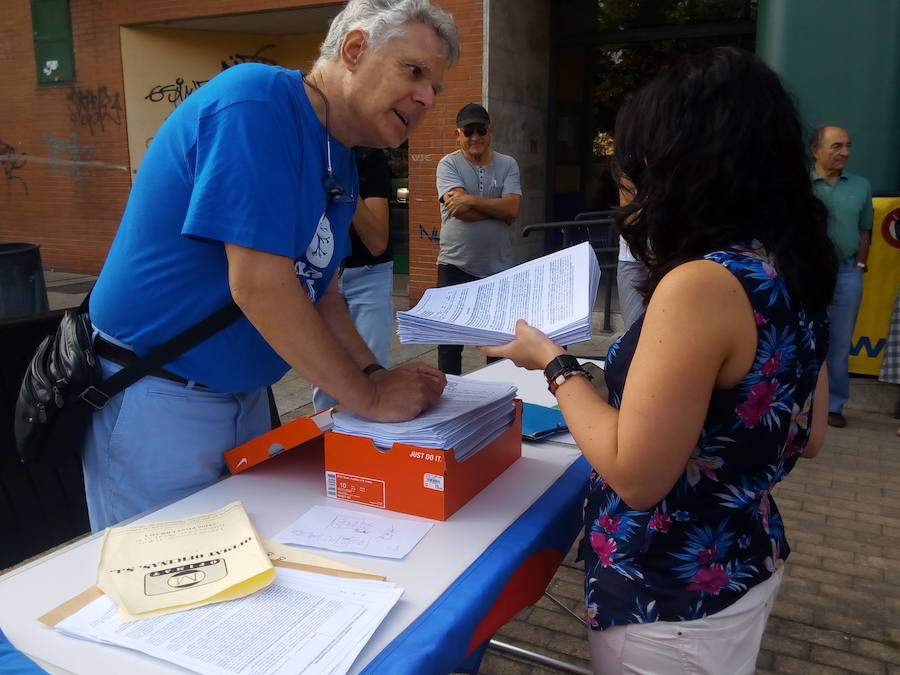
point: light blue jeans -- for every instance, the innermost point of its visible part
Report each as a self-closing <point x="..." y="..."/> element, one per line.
<point x="367" y="291"/>
<point x="159" y="441"/>
<point x="842" y="315"/>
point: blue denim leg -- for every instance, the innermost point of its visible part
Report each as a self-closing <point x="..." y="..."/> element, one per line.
<point x="159" y="441"/>
<point x="842" y="315"/>
<point x="367" y="291"/>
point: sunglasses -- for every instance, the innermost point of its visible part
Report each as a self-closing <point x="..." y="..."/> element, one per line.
<point x="481" y="131"/>
<point x="334" y="191"/>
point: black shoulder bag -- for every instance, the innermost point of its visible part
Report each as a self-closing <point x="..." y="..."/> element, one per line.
<point x="62" y="386"/>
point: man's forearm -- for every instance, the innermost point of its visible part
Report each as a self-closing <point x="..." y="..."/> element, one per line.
<point x="371" y="221"/>
<point x="470" y="207"/>
<point x="266" y="288"/>
<point x="499" y="208"/>
<point x="333" y="310"/>
<point x="865" y="240"/>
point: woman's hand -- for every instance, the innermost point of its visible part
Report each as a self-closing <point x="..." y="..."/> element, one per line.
<point x="531" y="349"/>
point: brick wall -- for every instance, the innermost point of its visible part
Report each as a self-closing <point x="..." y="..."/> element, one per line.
<point x="64" y="148"/>
<point x="435" y="138"/>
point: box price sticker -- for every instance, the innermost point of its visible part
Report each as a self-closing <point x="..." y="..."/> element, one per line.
<point x="434" y="482"/>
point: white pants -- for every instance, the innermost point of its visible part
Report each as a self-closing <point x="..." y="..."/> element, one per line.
<point x="724" y="643"/>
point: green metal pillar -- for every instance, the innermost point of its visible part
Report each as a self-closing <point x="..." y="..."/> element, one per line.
<point x="841" y="61"/>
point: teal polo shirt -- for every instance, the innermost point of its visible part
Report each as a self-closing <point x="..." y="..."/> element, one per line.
<point x="849" y="204"/>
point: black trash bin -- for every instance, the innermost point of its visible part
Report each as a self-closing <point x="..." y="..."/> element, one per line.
<point x="22" y="289"/>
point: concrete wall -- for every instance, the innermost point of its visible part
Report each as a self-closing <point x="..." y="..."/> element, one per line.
<point x="517" y="55"/>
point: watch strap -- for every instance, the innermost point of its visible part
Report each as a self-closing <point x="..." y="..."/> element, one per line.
<point x="371" y="368"/>
<point x="562" y="368"/>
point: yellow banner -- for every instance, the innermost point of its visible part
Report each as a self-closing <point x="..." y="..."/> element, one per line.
<point x="880" y="286"/>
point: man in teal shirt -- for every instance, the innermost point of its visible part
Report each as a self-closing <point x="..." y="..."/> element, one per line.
<point x="849" y="202"/>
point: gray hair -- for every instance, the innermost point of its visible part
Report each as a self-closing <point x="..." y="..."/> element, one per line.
<point x="382" y="20"/>
<point x="815" y="138"/>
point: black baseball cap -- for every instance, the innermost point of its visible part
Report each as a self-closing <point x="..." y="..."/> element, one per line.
<point x="472" y="113"/>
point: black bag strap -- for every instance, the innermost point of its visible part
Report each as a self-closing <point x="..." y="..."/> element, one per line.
<point x="98" y="395"/>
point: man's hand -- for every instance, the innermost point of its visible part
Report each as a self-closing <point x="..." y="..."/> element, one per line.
<point x="459" y="204"/>
<point x="404" y="392"/>
<point x="468" y="207"/>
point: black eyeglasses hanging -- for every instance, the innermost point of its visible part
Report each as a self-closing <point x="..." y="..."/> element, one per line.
<point x="335" y="192"/>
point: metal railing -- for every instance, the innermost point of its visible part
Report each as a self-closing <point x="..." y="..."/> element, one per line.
<point x="598" y="228"/>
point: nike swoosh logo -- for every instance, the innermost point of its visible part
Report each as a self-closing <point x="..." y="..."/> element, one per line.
<point x="243" y="461"/>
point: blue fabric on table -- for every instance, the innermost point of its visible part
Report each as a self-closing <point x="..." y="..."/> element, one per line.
<point x="434" y="643"/>
<point x="14" y="662"/>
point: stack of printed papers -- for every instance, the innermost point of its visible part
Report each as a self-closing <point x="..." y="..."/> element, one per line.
<point x="555" y="294"/>
<point x="301" y="623"/>
<point x="468" y="416"/>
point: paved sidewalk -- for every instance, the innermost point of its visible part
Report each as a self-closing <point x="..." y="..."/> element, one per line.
<point x="839" y="608"/>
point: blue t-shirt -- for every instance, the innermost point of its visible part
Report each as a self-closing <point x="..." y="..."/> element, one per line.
<point x="718" y="532"/>
<point x="240" y="161"/>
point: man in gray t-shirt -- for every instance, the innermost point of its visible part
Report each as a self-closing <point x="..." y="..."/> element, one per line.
<point x="479" y="192"/>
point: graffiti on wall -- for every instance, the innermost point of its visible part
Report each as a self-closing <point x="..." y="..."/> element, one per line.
<point x="433" y="236"/>
<point x="174" y="92"/>
<point x="255" y="57"/>
<point x="12" y="162"/>
<point x="180" y="88"/>
<point x="94" y="108"/>
<point x="69" y="157"/>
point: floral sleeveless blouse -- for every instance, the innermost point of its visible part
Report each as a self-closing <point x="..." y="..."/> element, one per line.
<point x="718" y="532"/>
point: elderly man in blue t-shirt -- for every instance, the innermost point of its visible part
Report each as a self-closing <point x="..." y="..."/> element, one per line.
<point x="849" y="202"/>
<point x="247" y="193"/>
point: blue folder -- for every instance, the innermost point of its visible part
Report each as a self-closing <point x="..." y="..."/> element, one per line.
<point x="539" y="421"/>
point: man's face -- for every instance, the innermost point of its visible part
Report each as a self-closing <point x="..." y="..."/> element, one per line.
<point x="834" y="150"/>
<point x="478" y="140"/>
<point x="396" y="84"/>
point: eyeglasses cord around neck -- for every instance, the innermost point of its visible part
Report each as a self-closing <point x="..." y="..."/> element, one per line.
<point x="330" y="184"/>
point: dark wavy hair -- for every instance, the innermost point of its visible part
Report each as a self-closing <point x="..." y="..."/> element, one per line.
<point x="715" y="150"/>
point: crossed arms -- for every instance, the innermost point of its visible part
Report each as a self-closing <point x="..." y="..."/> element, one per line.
<point x="469" y="208"/>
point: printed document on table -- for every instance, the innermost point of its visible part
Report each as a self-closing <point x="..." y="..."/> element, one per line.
<point x="350" y="531"/>
<point x="302" y="623"/>
<point x="554" y="293"/>
<point x="154" y="568"/>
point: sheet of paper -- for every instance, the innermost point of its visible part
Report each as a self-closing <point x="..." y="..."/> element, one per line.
<point x="302" y="623"/>
<point x="554" y="293"/>
<point x="150" y="568"/>
<point x="349" y="531"/>
<point x="467" y="417"/>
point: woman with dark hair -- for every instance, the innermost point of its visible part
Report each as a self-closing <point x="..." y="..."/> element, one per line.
<point x="718" y="389"/>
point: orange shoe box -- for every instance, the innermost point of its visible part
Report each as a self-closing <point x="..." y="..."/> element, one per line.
<point x="286" y="437"/>
<point x="410" y="479"/>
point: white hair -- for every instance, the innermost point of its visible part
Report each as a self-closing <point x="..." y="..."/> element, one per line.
<point x="382" y="20"/>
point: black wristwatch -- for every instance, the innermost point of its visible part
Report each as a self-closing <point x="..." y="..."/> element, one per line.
<point x="562" y="368"/>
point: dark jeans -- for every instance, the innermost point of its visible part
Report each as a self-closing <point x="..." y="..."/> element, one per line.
<point x="450" y="356"/>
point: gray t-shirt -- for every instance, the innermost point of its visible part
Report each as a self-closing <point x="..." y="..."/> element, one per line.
<point x="479" y="247"/>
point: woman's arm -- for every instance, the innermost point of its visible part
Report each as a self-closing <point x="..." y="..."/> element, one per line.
<point x="698" y="333"/>
<point x="819" y="416"/>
